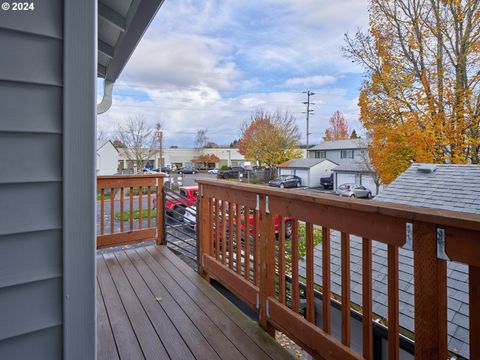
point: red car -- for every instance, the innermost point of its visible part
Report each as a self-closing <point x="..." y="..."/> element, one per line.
<point x="175" y="206"/>
<point x="287" y="220"/>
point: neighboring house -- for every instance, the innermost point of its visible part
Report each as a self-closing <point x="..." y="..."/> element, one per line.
<point x="445" y="186"/>
<point x="309" y="170"/>
<point x="49" y="65"/>
<point x="339" y="151"/>
<point x="356" y="172"/>
<point x="107" y="158"/>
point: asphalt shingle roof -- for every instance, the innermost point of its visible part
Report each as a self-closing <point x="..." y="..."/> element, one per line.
<point x="451" y="187"/>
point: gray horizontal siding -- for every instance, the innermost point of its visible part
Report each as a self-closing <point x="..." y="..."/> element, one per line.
<point x="30" y="257"/>
<point x="39" y="345"/>
<point x="41" y="103"/>
<point x="30" y="307"/>
<point x="30" y="157"/>
<point x="44" y="20"/>
<point x="30" y="207"/>
<point x="29" y="58"/>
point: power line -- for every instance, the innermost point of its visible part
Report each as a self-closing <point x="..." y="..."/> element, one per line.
<point x="308" y="112"/>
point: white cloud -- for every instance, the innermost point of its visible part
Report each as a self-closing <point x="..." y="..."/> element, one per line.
<point x="318" y="80"/>
<point x="177" y="60"/>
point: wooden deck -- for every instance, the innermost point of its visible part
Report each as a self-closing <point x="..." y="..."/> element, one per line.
<point x="151" y="305"/>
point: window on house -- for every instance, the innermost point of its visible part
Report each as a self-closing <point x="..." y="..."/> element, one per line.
<point x="320" y="154"/>
<point x="347" y="154"/>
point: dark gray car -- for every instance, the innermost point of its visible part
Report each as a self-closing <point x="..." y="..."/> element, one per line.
<point x="354" y="190"/>
<point x="286" y="181"/>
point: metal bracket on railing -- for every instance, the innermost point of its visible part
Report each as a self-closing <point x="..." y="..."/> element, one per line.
<point x="441" y="253"/>
<point x="267" y="209"/>
<point x="267" y="308"/>
<point x="258" y="203"/>
<point x="409" y="236"/>
<point x="258" y="302"/>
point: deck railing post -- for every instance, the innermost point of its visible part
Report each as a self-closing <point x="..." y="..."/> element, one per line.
<point x="204" y="229"/>
<point x="266" y="248"/>
<point x="160" y="213"/>
<point x="430" y="276"/>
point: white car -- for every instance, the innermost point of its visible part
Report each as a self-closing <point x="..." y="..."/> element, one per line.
<point x="213" y="171"/>
<point x="190" y="217"/>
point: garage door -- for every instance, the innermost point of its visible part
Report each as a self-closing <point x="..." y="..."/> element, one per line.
<point x="286" y="171"/>
<point x="343" y="178"/>
<point x="368" y="182"/>
<point x="303" y="174"/>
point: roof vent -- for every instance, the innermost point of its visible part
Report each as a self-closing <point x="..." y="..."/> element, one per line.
<point x="427" y="168"/>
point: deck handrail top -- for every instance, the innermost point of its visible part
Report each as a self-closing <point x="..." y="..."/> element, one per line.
<point x="136" y="176"/>
<point x="408" y="212"/>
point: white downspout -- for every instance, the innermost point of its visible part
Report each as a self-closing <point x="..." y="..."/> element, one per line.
<point x="106" y="102"/>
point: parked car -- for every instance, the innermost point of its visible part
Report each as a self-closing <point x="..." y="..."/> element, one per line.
<point x="354" y="190"/>
<point x="231" y="173"/>
<point x="286" y="181"/>
<point x="188" y="170"/>
<point x="175" y="207"/>
<point x="213" y="171"/>
<point x="190" y="218"/>
<point x="327" y="182"/>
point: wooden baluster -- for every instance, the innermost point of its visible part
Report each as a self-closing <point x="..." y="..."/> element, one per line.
<point x="345" y="288"/>
<point x="310" y="293"/>
<point x="238" y="232"/>
<point x="256" y="257"/>
<point x="326" y="287"/>
<point x="140" y="207"/>
<point x="211" y="235"/>
<point x="122" y="209"/>
<point x="367" y="298"/>
<point x="474" y="311"/>
<point x="281" y="259"/>
<point x="267" y="274"/>
<point x="430" y="300"/>
<point x="131" y="208"/>
<point x="230" y="235"/>
<point x="102" y="211"/>
<point x="295" y="306"/>
<point x="149" y="207"/>
<point x="224" y="232"/>
<point x="246" y="239"/>
<point x="160" y="218"/>
<point x="112" y="210"/>
<point x="217" y="229"/>
<point x="393" y="317"/>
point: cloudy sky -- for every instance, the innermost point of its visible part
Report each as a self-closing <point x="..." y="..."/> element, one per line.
<point x="210" y="64"/>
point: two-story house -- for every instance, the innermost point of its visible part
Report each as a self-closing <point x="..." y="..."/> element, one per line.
<point x="352" y="159"/>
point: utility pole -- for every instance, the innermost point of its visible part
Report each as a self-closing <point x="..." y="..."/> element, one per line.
<point x="159" y="134"/>
<point x="308" y="112"/>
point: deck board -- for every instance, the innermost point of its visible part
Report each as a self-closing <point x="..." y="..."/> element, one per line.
<point x="152" y="305"/>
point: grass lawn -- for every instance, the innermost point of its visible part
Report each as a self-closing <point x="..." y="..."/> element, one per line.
<point x="136" y="214"/>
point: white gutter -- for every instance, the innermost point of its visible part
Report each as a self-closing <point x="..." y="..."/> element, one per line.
<point x="106" y="102"/>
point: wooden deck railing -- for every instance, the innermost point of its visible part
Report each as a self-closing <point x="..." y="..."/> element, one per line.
<point x="242" y="252"/>
<point x="121" y="193"/>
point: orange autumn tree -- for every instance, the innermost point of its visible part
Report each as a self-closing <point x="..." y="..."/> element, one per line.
<point x="270" y="138"/>
<point x="421" y="98"/>
<point x="206" y="159"/>
<point x="338" y="129"/>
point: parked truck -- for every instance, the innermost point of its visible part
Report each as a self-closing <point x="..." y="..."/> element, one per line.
<point x="327" y="182"/>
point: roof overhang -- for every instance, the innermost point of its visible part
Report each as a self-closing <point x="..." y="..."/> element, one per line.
<point x="121" y="25"/>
